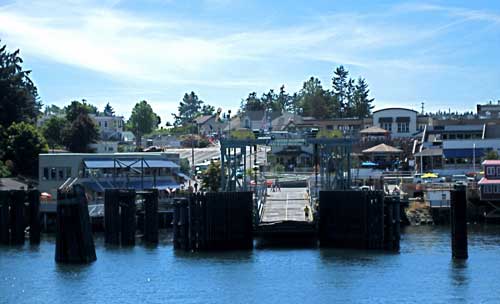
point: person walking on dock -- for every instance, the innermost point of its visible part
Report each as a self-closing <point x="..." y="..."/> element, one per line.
<point x="306" y="212"/>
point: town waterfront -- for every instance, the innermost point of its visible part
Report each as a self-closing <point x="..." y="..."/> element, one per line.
<point x="422" y="272"/>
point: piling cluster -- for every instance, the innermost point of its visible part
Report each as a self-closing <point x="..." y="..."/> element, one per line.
<point x="19" y="213"/>
<point x="213" y="221"/>
<point x="74" y="241"/>
<point x="358" y="219"/>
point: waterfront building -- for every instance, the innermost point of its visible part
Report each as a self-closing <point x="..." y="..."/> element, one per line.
<point x="490" y="110"/>
<point x="400" y="122"/>
<point x="99" y="171"/>
<point x="489" y="185"/>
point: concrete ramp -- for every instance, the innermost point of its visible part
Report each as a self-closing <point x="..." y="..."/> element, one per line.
<point x="285" y="205"/>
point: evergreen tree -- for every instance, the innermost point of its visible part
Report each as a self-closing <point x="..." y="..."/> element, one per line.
<point x="362" y="104"/>
<point x="76" y="108"/>
<point x="252" y="103"/>
<point x="108" y="110"/>
<point x="270" y="101"/>
<point x="340" y="82"/>
<point x="207" y="110"/>
<point x="18" y="95"/>
<point x="188" y="109"/>
<point x="285" y="101"/>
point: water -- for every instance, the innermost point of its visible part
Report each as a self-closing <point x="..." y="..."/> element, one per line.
<point x="422" y="272"/>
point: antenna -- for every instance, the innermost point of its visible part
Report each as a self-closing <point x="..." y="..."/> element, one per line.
<point x="422" y="107"/>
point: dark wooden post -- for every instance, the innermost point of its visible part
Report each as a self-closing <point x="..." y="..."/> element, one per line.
<point x="34" y="212"/>
<point x="111" y="217"/>
<point x="459" y="223"/>
<point x="4" y="217"/>
<point x="151" y="216"/>
<point x="74" y="242"/>
<point x="128" y="210"/>
<point x="17" y="213"/>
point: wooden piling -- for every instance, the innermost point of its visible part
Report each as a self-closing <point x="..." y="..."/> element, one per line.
<point x="392" y="223"/>
<point x="17" y="217"/>
<point x="34" y="216"/>
<point x="4" y="217"/>
<point x="458" y="214"/>
<point x="111" y="217"/>
<point x="151" y="216"/>
<point x="127" y="217"/>
<point x="74" y="241"/>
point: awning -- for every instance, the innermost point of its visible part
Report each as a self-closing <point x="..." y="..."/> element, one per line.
<point x="133" y="163"/>
<point x="463" y="153"/>
<point x="403" y="119"/>
<point x="385" y="119"/>
<point x="137" y="185"/>
<point x="184" y="176"/>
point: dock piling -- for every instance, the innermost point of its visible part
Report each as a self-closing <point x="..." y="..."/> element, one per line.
<point x="74" y="241"/>
<point x="458" y="214"/>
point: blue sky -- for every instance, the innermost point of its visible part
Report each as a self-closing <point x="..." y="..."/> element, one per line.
<point x="444" y="53"/>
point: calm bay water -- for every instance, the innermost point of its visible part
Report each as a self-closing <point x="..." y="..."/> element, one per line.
<point x="422" y="272"/>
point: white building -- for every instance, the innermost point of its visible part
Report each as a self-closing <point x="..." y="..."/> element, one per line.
<point x="400" y="122"/>
<point x="98" y="171"/>
<point x="110" y="127"/>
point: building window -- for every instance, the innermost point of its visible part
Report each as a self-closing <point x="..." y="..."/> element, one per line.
<point x="487" y="189"/>
<point x="45" y="173"/>
<point x="403" y="127"/>
<point x="498" y="171"/>
<point x="105" y="124"/>
<point x="60" y="174"/>
<point x="386" y="125"/>
<point x="53" y="173"/>
<point x="490" y="171"/>
<point x="68" y="172"/>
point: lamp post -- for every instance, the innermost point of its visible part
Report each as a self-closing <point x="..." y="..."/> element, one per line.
<point x="192" y="153"/>
<point x="474" y="158"/>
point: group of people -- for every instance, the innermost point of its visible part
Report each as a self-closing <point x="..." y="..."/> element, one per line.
<point x="276" y="186"/>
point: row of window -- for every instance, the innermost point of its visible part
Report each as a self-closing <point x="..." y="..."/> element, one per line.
<point x="493" y="171"/>
<point x="61" y="173"/>
<point x="403" y="127"/>
<point x="491" y="188"/>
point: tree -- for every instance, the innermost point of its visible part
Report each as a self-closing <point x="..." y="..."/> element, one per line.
<point x="24" y="144"/>
<point x="211" y="177"/>
<point x="52" y="130"/>
<point x="18" y="95"/>
<point x="76" y="108"/>
<point x="340" y="84"/>
<point x="314" y="100"/>
<point x="184" y="165"/>
<point x="142" y="121"/>
<point x="362" y="104"/>
<point x="207" y="110"/>
<point x="80" y="133"/>
<point x="52" y="110"/>
<point x="108" y="110"/>
<point x="252" y="103"/>
<point x="189" y="108"/>
<point x="285" y="101"/>
<point x="491" y="154"/>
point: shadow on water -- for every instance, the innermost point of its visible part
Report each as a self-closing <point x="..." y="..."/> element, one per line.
<point x="216" y="256"/>
<point x="353" y="257"/>
<point x="285" y="243"/>
<point x="460" y="280"/>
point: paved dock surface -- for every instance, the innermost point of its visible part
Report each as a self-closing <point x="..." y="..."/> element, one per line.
<point x="285" y="205"/>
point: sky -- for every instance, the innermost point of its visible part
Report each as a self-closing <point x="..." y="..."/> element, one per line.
<point x="442" y="53"/>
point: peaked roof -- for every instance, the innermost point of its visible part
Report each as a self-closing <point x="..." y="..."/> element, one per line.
<point x="382" y="148"/>
<point x="374" y="130"/>
<point x="202" y="119"/>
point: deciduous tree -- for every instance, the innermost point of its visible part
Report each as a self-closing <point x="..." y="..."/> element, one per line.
<point x="142" y="121"/>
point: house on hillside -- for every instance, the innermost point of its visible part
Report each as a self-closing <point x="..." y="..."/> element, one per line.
<point x="400" y="122"/>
